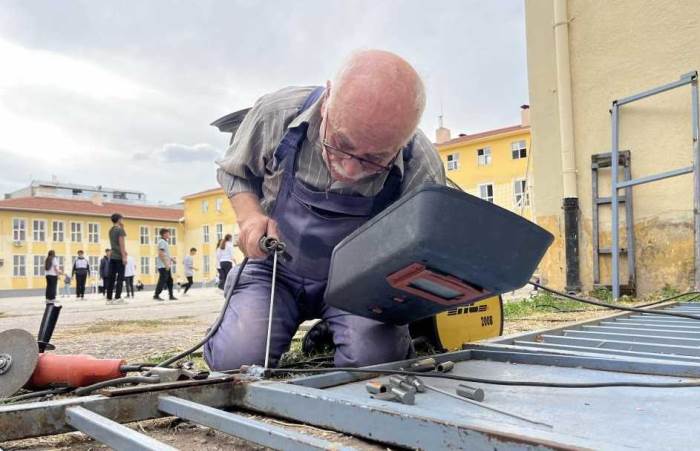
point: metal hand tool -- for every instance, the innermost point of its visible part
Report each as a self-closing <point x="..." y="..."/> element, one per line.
<point x="494" y="409"/>
<point x="275" y="247"/>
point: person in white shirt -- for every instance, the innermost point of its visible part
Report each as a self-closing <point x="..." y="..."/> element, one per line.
<point x="219" y="251"/>
<point x="188" y="263"/>
<point x="226" y="258"/>
<point x="51" y="270"/>
<point x="129" y="272"/>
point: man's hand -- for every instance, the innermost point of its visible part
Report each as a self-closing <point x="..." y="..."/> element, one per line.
<point x="253" y="223"/>
<point x="253" y="228"/>
<point x="124" y="256"/>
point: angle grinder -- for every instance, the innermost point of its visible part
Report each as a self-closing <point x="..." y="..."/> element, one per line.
<point x="24" y="364"/>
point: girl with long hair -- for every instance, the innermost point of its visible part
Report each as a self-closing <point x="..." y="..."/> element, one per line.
<point x="51" y="270"/>
<point x="226" y="258"/>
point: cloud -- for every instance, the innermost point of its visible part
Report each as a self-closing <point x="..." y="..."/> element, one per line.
<point x="91" y="91"/>
<point x="181" y="153"/>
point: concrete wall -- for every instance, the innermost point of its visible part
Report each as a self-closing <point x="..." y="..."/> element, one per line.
<point x="618" y="48"/>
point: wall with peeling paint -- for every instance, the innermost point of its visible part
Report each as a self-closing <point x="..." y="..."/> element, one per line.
<point x="618" y="48"/>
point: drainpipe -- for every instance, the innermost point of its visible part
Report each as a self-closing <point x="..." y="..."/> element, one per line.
<point x="568" y="154"/>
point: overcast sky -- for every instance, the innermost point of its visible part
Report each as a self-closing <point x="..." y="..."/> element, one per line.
<point x="121" y="93"/>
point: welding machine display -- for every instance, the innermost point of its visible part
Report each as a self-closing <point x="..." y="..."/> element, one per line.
<point x="431" y="251"/>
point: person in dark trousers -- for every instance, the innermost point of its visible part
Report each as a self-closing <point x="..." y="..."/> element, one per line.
<point x="104" y="270"/>
<point x="51" y="270"/>
<point x="226" y="258"/>
<point x="129" y="271"/>
<point x="117" y="241"/>
<point x="164" y="263"/>
<point x="188" y="263"/>
<point x="81" y="270"/>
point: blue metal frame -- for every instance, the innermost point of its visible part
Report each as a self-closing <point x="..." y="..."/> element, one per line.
<point x="691" y="79"/>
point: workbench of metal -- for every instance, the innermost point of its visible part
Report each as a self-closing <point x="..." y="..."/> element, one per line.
<point x="626" y="347"/>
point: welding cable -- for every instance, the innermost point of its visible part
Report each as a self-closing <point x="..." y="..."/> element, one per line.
<point x="212" y="330"/>
<point x="36" y="394"/>
<point x="620" y="307"/>
<point x="490" y="381"/>
<point x="82" y="391"/>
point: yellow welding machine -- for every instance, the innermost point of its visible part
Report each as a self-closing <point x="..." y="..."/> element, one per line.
<point x="451" y="329"/>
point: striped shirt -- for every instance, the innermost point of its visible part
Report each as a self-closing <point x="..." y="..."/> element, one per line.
<point x="249" y="164"/>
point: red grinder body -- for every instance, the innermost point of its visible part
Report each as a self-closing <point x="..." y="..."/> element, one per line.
<point x="74" y="370"/>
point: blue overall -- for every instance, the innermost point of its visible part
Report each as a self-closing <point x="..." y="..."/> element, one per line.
<point x="311" y="223"/>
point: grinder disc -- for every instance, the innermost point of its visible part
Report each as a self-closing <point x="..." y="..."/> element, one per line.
<point x="23" y="354"/>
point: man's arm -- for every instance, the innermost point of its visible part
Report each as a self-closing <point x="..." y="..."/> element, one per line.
<point x="122" y="245"/>
<point x="253" y="223"/>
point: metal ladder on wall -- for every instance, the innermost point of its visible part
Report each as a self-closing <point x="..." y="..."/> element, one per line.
<point x="603" y="161"/>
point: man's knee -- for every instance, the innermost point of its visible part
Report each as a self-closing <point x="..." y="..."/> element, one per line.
<point x="379" y="344"/>
<point x="222" y="356"/>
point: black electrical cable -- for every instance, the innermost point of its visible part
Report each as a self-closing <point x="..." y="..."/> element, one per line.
<point x="212" y="330"/>
<point x="82" y="391"/>
<point x="620" y="307"/>
<point x="492" y="381"/>
<point x="36" y="394"/>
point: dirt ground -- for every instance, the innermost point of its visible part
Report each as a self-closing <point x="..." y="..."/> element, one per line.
<point x="144" y="330"/>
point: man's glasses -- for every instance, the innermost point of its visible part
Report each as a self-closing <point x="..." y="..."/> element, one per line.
<point x="367" y="164"/>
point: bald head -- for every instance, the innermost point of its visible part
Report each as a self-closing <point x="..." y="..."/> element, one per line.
<point x="375" y="102"/>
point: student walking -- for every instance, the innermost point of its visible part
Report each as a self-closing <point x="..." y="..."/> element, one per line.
<point x="219" y="252"/>
<point x="129" y="272"/>
<point x="51" y="270"/>
<point x="117" y="241"/>
<point x="104" y="271"/>
<point x="81" y="270"/>
<point x="164" y="264"/>
<point x="226" y="259"/>
<point x="188" y="263"/>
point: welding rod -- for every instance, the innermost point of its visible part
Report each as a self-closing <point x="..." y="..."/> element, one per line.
<point x="502" y="412"/>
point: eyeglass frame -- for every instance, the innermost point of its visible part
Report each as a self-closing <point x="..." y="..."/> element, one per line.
<point x="378" y="168"/>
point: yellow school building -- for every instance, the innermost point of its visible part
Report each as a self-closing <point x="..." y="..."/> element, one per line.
<point x="208" y="218"/>
<point x="493" y="165"/>
<point x="31" y="226"/>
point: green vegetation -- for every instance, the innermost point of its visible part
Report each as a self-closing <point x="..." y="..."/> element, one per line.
<point x="542" y="303"/>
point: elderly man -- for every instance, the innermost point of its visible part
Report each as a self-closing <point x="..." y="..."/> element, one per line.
<point x="310" y="165"/>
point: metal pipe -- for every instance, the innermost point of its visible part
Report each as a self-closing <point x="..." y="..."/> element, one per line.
<point x="695" y="117"/>
<point x="566" y="118"/>
<point x="615" y="203"/>
<point x="684" y="80"/>
<point x="655" y="177"/>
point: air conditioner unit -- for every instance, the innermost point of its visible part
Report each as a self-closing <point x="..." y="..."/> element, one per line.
<point x="18" y="243"/>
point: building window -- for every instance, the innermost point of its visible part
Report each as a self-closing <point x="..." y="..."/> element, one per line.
<point x="452" y="161"/>
<point x="19" y="266"/>
<point x="219" y="232"/>
<point x="205" y="206"/>
<point x="521" y="197"/>
<point x="518" y="149"/>
<point x="205" y="233"/>
<point x="94" y="265"/>
<point x="144" y="265"/>
<point x="173" y="236"/>
<point x="205" y="264"/>
<point x="93" y="233"/>
<point x="173" y="267"/>
<point x="219" y="204"/>
<point x="143" y="232"/>
<point x="39" y="266"/>
<point x="39" y="230"/>
<point x="57" y="228"/>
<point x="486" y="192"/>
<point x="19" y="229"/>
<point x="483" y="156"/>
<point x="76" y="232"/>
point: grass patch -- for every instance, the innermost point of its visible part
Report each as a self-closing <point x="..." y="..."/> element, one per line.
<point x="196" y="357"/>
<point x="541" y="304"/>
<point x="136" y="325"/>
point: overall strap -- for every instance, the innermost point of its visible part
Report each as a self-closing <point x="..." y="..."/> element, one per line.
<point x="293" y="138"/>
<point x="392" y="186"/>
